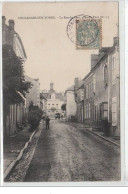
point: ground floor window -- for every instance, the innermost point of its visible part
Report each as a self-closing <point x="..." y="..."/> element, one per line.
<point x="105" y="110"/>
<point x="87" y="111"/>
<point x="95" y="113"/>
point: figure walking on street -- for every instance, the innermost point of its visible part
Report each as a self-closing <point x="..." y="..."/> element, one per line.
<point x="47" y="122"/>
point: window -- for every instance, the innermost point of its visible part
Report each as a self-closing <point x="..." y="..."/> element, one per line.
<point x="89" y="111"/>
<point x="105" y="110"/>
<point x="52" y="96"/>
<point x="105" y="75"/>
<point x="89" y="90"/>
<point x="113" y="71"/>
<point x="95" y="113"/>
<point x="86" y="91"/>
<point x="94" y="83"/>
<point x="85" y="112"/>
<point x="114" y="112"/>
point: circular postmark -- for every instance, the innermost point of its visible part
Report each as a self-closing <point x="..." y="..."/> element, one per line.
<point x="82" y="30"/>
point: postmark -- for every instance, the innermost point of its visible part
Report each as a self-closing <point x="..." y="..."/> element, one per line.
<point x="85" y="32"/>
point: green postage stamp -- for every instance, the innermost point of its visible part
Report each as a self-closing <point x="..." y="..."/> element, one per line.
<point x="88" y="33"/>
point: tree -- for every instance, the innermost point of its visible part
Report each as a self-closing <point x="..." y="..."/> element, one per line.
<point x="63" y="107"/>
<point x="14" y="84"/>
<point x="34" y="116"/>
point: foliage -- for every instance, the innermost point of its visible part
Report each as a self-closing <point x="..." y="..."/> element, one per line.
<point x="14" y="84"/>
<point x="34" y="116"/>
<point x="63" y="107"/>
<point x="53" y="109"/>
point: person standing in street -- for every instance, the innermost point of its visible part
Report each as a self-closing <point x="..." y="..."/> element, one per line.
<point x="47" y="122"/>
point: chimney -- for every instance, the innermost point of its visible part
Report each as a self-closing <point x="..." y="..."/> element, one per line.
<point x="115" y="41"/>
<point x="3" y="20"/>
<point x="51" y="86"/>
<point x="11" y="24"/>
<point x="94" y="60"/>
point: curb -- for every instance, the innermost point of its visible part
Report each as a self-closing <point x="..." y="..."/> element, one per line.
<point x="13" y="163"/>
<point x="108" y="140"/>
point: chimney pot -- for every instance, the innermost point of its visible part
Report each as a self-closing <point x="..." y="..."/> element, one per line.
<point x="3" y="19"/>
<point x="11" y="24"/>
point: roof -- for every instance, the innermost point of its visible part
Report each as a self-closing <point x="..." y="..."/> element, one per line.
<point x="42" y="96"/>
<point x="59" y="95"/>
<point x="18" y="37"/>
<point x="103" y="52"/>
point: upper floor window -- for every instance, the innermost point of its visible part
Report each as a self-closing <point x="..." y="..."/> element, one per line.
<point x="94" y="83"/>
<point x="113" y="71"/>
<point x="105" y="75"/>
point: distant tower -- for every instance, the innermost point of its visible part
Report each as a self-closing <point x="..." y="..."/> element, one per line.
<point x="51" y="86"/>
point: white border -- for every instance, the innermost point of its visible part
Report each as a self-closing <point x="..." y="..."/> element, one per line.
<point x="123" y="95"/>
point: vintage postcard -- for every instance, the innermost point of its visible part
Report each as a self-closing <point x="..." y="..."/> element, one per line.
<point x="61" y="92"/>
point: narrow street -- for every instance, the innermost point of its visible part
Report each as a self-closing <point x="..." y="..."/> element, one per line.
<point x="68" y="153"/>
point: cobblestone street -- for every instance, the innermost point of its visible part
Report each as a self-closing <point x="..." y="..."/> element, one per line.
<point x="67" y="152"/>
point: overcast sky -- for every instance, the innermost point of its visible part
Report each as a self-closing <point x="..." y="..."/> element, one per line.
<point x="51" y="56"/>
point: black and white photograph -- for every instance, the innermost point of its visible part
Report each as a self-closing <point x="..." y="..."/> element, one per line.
<point x="61" y="92"/>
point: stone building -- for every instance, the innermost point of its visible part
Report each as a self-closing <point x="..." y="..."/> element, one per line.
<point x="54" y="101"/>
<point x="102" y="91"/>
<point x="10" y="37"/>
<point x="71" y="107"/>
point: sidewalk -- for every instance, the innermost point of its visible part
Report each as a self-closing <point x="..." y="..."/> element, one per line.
<point x="98" y="132"/>
<point x="12" y="148"/>
<point x="113" y="140"/>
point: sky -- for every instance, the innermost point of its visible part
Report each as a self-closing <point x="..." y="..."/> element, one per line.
<point x="51" y="56"/>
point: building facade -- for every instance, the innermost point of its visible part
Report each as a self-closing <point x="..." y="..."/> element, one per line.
<point x="15" y="114"/>
<point x="102" y="91"/>
<point x="53" y="102"/>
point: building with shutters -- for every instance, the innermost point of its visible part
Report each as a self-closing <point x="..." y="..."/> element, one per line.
<point x="101" y="91"/>
<point x="15" y="115"/>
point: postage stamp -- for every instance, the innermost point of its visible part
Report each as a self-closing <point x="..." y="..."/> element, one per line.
<point x="88" y="33"/>
<point x="85" y="32"/>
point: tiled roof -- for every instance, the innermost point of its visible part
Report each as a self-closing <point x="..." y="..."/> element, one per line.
<point x="59" y="96"/>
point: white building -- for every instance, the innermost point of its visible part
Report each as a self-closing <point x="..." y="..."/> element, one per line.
<point x="70" y="104"/>
<point x="54" y="101"/>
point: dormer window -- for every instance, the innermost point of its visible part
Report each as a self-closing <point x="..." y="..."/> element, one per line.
<point x="52" y="96"/>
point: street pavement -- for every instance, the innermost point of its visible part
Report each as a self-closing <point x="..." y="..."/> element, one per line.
<point x="67" y="152"/>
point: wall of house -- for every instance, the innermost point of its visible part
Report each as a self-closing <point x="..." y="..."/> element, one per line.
<point x="70" y="105"/>
<point x="114" y="93"/>
<point x="14" y="112"/>
<point x="89" y="89"/>
<point x="56" y="105"/>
